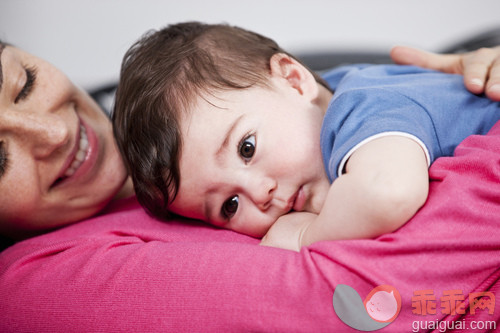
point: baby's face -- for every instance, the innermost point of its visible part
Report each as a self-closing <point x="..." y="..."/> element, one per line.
<point x="249" y="157"/>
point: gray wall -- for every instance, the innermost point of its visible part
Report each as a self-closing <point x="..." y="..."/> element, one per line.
<point x="87" y="38"/>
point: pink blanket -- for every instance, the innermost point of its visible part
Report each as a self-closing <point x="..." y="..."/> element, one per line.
<point x="125" y="271"/>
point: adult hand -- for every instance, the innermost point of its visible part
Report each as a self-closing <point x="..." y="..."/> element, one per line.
<point x="481" y="68"/>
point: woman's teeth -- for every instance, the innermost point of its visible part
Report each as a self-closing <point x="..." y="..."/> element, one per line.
<point x="80" y="154"/>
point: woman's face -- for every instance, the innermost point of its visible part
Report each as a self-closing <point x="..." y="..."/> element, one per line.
<point x="58" y="159"/>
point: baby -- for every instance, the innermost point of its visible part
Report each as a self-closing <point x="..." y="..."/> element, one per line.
<point x="221" y="124"/>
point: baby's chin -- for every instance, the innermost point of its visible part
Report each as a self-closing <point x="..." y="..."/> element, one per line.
<point x="314" y="206"/>
<point x="315" y="202"/>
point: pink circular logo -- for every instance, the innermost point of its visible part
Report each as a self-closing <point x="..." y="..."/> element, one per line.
<point x="383" y="303"/>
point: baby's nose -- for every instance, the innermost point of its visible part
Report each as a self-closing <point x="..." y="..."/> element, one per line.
<point x="262" y="191"/>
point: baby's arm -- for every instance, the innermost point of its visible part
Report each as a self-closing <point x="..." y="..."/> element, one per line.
<point x="385" y="183"/>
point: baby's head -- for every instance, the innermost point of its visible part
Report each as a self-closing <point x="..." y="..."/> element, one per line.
<point x="220" y="124"/>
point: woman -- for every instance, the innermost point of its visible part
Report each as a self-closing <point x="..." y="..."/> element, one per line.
<point x="124" y="271"/>
<point x="59" y="162"/>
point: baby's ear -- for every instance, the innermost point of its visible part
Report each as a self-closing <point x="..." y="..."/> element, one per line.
<point x="296" y="75"/>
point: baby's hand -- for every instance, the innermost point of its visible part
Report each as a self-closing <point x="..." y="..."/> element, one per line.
<point x="286" y="232"/>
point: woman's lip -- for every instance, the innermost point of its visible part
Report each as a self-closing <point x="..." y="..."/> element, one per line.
<point x="71" y="156"/>
<point x="300" y="200"/>
<point x="89" y="159"/>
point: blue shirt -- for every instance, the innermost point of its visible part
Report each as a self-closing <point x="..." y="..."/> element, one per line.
<point x="370" y="101"/>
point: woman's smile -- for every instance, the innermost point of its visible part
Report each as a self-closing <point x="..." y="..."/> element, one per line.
<point x="82" y="158"/>
<point x="81" y="146"/>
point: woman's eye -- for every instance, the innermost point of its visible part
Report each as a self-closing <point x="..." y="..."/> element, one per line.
<point x="229" y="207"/>
<point x="28" y="85"/>
<point x="4" y="160"/>
<point x="247" y="147"/>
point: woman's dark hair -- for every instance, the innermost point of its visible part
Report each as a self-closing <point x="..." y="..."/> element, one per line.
<point x="2" y="46"/>
<point x="162" y="74"/>
<point x="5" y="242"/>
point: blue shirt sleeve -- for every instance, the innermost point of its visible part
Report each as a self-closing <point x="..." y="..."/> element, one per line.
<point x="432" y="107"/>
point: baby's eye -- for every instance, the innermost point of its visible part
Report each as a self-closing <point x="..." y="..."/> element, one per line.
<point x="229" y="207"/>
<point x="247" y="148"/>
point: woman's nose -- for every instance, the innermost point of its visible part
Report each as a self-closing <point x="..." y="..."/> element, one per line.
<point x="42" y="133"/>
